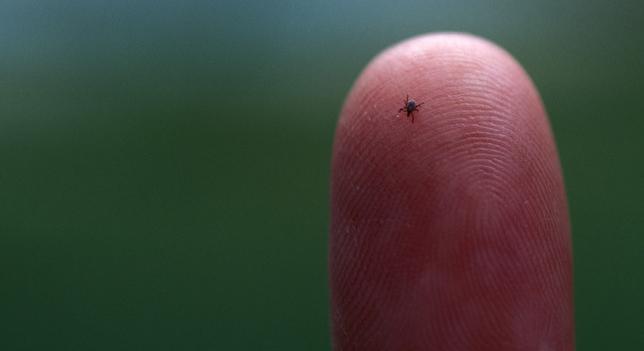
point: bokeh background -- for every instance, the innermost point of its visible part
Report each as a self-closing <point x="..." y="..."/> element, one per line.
<point x="164" y="165"/>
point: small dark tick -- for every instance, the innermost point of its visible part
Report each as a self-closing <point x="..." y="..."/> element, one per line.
<point x="410" y="107"/>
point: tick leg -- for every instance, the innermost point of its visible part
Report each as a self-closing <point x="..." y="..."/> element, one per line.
<point x="419" y="105"/>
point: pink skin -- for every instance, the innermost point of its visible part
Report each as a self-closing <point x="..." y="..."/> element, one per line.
<point x="451" y="233"/>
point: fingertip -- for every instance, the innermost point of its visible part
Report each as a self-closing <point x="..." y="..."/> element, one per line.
<point x="452" y="231"/>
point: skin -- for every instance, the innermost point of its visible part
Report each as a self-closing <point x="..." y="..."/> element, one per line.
<point x="451" y="233"/>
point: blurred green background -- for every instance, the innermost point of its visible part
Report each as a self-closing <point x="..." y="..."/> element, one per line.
<point x="164" y="165"/>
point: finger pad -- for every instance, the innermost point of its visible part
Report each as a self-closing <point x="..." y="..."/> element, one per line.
<point x="450" y="232"/>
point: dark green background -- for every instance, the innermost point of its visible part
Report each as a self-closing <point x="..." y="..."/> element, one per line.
<point x="164" y="164"/>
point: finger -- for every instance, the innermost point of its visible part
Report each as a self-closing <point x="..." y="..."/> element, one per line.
<point x="450" y="233"/>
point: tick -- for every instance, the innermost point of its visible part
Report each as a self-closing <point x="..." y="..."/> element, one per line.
<point x="410" y="107"/>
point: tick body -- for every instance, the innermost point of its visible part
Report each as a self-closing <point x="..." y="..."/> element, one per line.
<point x="410" y="107"/>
